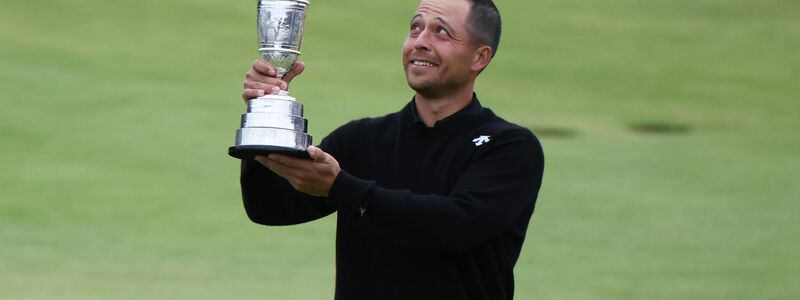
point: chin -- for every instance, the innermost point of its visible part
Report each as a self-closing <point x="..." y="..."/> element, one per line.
<point x="424" y="90"/>
<point x="419" y="86"/>
<point x="416" y="82"/>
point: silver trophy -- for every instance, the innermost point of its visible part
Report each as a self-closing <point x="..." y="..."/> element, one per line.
<point x="275" y="123"/>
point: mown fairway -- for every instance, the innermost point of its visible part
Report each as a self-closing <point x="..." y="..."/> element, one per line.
<point x="669" y="127"/>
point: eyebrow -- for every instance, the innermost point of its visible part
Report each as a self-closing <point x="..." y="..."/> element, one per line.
<point x="446" y="24"/>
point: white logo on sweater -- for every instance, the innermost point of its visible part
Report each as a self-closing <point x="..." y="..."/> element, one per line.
<point x="481" y="140"/>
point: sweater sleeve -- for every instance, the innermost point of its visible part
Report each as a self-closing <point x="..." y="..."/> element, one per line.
<point x="270" y="200"/>
<point x="490" y="195"/>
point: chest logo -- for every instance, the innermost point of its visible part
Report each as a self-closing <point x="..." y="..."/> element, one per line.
<point x="481" y="140"/>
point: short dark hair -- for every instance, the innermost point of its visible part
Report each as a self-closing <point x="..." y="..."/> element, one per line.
<point x="484" y="23"/>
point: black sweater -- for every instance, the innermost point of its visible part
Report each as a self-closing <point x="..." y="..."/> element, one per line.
<point x="423" y="213"/>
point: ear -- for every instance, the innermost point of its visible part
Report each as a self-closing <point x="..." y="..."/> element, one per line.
<point x="481" y="58"/>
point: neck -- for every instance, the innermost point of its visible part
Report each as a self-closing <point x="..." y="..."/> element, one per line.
<point x="433" y="109"/>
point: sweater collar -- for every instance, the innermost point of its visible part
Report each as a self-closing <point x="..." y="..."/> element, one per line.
<point x="469" y="116"/>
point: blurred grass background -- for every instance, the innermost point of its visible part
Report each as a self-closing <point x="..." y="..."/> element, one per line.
<point x="669" y="127"/>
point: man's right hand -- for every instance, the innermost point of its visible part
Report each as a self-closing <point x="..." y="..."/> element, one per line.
<point x="262" y="80"/>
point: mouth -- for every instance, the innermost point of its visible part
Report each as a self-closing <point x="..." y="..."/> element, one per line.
<point x="422" y="63"/>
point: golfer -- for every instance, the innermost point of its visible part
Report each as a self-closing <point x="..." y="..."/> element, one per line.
<point x="432" y="201"/>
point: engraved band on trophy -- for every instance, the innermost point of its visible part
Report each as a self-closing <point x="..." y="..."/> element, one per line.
<point x="275" y="123"/>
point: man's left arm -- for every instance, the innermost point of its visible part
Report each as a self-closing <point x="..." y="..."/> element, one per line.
<point x="488" y="197"/>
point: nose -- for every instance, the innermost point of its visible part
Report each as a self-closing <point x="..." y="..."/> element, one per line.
<point x="421" y="42"/>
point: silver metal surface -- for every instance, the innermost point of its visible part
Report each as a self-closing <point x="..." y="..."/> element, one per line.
<point x="272" y="137"/>
<point x="275" y="104"/>
<point x="282" y="60"/>
<point x="275" y="120"/>
<point x="280" y="32"/>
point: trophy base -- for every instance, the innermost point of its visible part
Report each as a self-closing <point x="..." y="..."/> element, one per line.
<point x="251" y="141"/>
<point x="250" y="151"/>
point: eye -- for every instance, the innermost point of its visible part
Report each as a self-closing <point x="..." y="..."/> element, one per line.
<point x="415" y="27"/>
<point x="442" y="31"/>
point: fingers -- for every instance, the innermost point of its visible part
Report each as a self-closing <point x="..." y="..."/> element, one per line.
<point x="298" y="68"/>
<point x="253" y="89"/>
<point x="272" y="88"/>
<point x="263" y="70"/>
<point x="297" y="172"/>
<point x="313" y="177"/>
<point x="263" y="67"/>
<point x="284" y="165"/>
<point x="288" y="162"/>
<point x="252" y="93"/>
<point x="260" y="80"/>
<point x="318" y="155"/>
<point x="257" y="76"/>
<point x="324" y="163"/>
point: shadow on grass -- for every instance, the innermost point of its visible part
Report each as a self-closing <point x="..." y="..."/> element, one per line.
<point x="553" y="132"/>
<point x="660" y="127"/>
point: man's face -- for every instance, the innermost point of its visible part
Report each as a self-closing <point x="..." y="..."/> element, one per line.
<point x="438" y="52"/>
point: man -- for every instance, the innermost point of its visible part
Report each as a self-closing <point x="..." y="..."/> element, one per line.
<point x="433" y="201"/>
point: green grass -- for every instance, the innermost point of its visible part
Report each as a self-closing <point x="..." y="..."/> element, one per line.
<point x="115" y="118"/>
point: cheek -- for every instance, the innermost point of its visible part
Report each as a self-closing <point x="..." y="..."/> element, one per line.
<point x="463" y="58"/>
<point x="407" y="46"/>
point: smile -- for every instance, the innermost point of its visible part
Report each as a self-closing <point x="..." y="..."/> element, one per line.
<point x="422" y="63"/>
